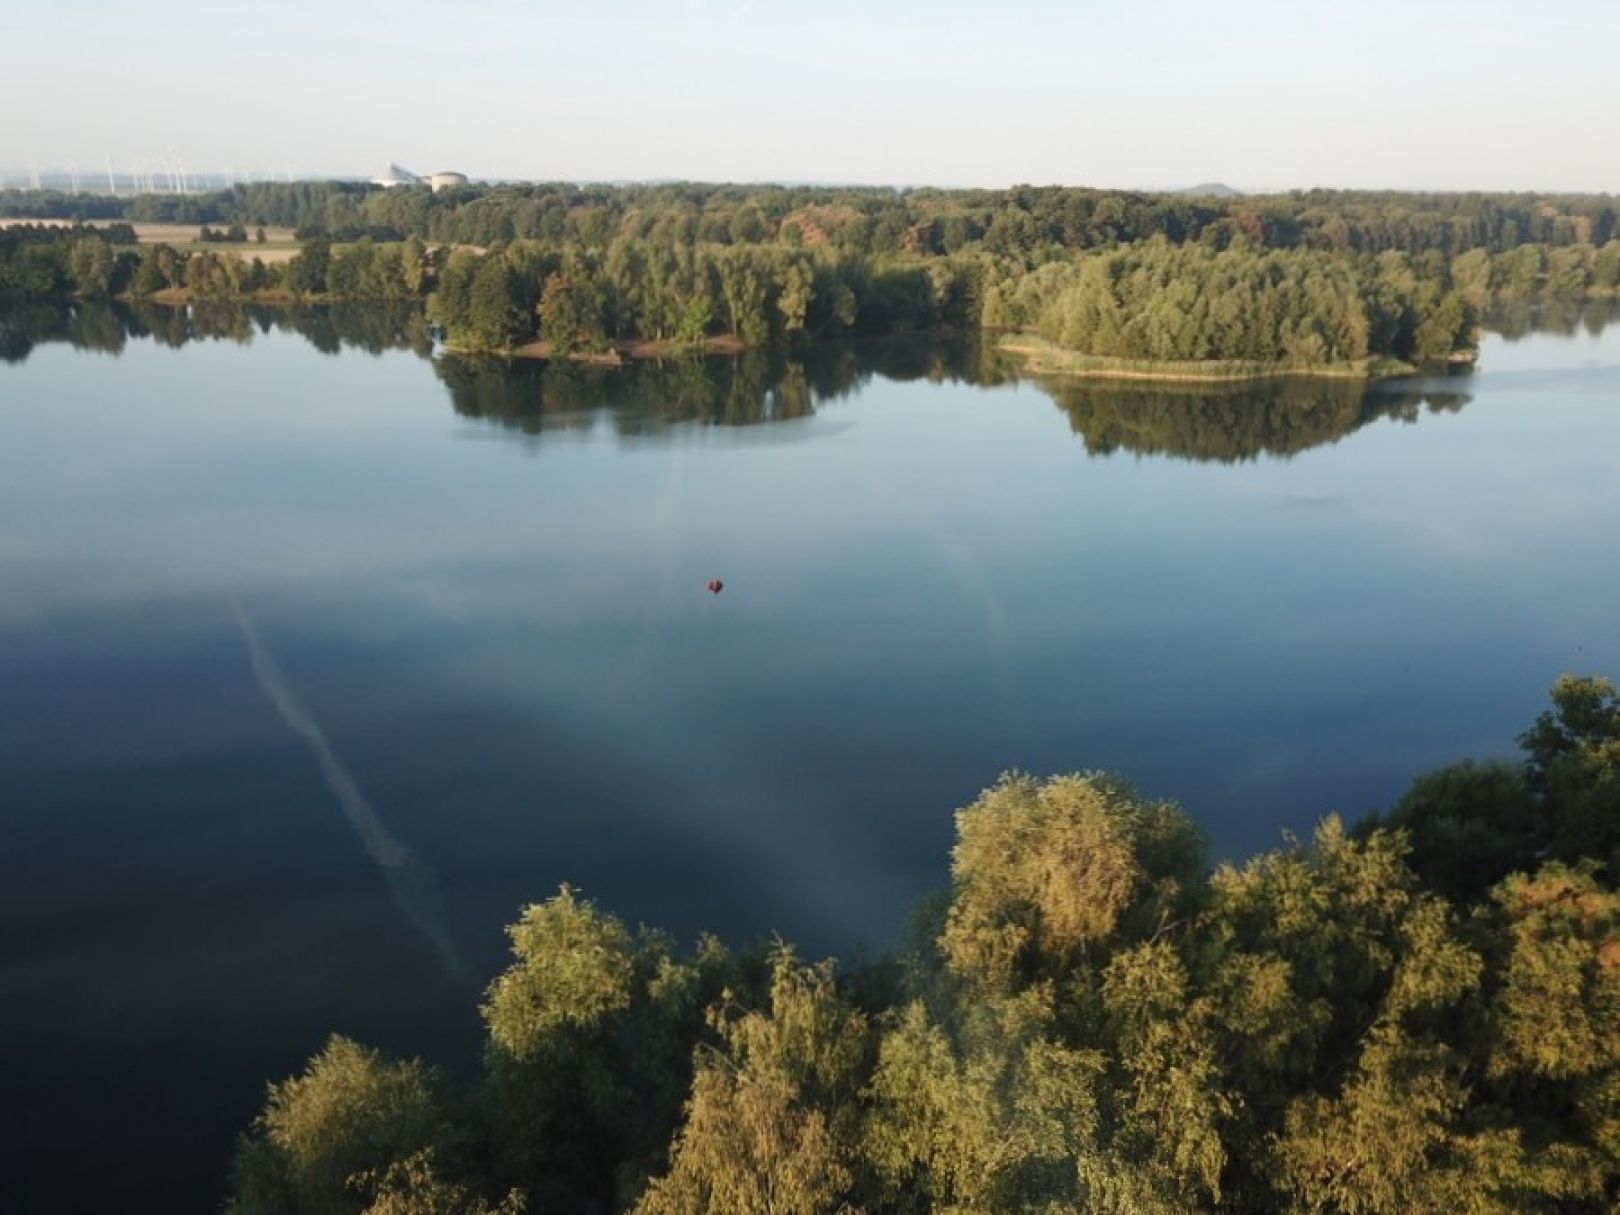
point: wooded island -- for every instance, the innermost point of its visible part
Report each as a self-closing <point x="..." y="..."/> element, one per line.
<point x="1088" y="282"/>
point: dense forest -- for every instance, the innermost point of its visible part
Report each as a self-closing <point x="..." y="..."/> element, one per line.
<point x="1020" y="221"/>
<point x="1302" y="281"/>
<point x="1418" y="1013"/>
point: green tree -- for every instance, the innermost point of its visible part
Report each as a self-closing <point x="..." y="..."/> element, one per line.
<point x="990" y="1112"/>
<point x="496" y="317"/>
<point x="92" y="265"/>
<point x="571" y="316"/>
<point x="590" y="1046"/>
<point x="414" y="265"/>
<point x="772" y="1122"/>
<point x="1042" y="873"/>
<point x="414" y="1186"/>
<point x="1470" y="825"/>
<point x="1573" y="754"/>
<point x="306" y="272"/>
<point x="351" y="1113"/>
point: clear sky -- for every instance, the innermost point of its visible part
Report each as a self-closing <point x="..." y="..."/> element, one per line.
<point x="1489" y="94"/>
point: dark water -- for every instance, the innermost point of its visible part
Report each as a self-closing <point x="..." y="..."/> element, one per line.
<point x="319" y="658"/>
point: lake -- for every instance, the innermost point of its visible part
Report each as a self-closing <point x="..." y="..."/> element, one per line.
<point x="322" y="652"/>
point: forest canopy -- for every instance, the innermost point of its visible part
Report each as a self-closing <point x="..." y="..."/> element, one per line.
<point x="869" y="220"/>
<point x="1417" y="1013"/>
<point x="1303" y="281"/>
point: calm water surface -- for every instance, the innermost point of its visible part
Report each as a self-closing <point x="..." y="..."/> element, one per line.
<point x="319" y="657"/>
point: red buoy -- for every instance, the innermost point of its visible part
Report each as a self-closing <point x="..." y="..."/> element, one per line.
<point x="716" y="586"/>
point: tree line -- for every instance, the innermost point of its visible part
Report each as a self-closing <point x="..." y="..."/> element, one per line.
<point x="1020" y="221"/>
<point x="1418" y="1013"/>
<point x="1152" y="300"/>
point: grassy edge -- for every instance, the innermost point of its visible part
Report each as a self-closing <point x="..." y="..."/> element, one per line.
<point x="1043" y="358"/>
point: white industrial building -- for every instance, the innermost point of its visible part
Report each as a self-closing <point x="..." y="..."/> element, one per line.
<point x="392" y="175"/>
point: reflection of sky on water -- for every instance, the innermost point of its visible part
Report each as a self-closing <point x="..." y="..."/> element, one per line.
<point x="508" y="646"/>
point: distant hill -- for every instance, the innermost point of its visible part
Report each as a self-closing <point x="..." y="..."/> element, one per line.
<point x="1210" y="189"/>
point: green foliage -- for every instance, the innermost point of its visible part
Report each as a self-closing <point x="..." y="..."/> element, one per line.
<point x="771" y="1123"/>
<point x="1162" y="303"/>
<point x="1170" y="1103"/>
<point x="152" y="272"/>
<point x="1583" y="726"/>
<point x="1470" y="826"/>
<point x="351" y="1113"/>
<point x="306" y="273"/>
<point x="573" y="969"/>
<point x="413" y="1186"/>
<point x="1314" y="280"/>
<point x="590" y="1042"/>
<point x="571" y="316"/>
<point x="1574" y="760"/>
<point x="1041" y="872"/>
<point x="989" y="1114"/>
<point x="1557" y="1012"/>
<point x="1366" y="1023"/>
<point x="93" y="266"/>
<point x="1017" y="222"/>
<point x="499" y="313"/>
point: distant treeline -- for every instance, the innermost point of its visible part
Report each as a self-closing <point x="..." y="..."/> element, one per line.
<point x="1418" y="1014"/>
<point x="1024" y="221"/>
<point x="1153" y="300"/>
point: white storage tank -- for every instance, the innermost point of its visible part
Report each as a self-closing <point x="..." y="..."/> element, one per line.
<point x="447" y="181"/>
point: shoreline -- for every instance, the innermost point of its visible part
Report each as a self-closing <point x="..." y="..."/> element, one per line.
<point x="1042" y="359"/>
<point x="619" y="352"/>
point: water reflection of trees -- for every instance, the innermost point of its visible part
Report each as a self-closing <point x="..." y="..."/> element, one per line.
<point x="83" y="326"/>
<point x="1519" y="319"/>
<point x="107" y="327"/>
<point x="1229" y="423"/>
<point x="648" y="396"/>
<point x="535" y="397"/>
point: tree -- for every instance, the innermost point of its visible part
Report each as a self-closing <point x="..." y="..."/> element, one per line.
<point x="571" y="316"/>
<point x="1470" y="825"/>
<point x="590" y="1045"/>
<point x="414" y="1186"/>
<point x="306" y="272"/>
<point x="496" y="318"/>
<point x="771" y="1125"/>
<point x="413" y="264"/>
<point x="1573" y="754"/>
<point x="92" y="265"/>
<point x="351" y="1113"/>
<point x="1042" y="873"/>
<point x="989" y="1112"/>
